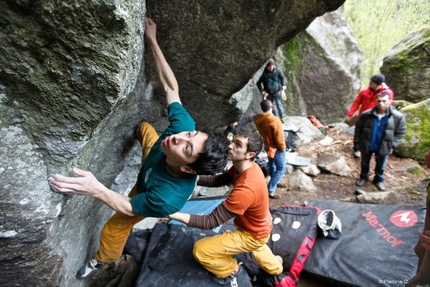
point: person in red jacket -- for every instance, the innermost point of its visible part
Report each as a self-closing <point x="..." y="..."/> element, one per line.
<point x="366" y="99"/>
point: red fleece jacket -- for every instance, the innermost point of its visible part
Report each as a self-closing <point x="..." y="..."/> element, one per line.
<point x="367" y="99"/>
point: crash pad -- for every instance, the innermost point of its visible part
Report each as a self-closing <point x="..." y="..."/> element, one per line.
<point x="376" y="247"/>
<point x="166" y="250"/>
<point x="169" y="260"/>
<point x="293" y="159"/>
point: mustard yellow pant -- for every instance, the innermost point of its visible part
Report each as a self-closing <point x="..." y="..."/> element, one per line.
<point x="215" y="253"/>
<point x="117" y="229"/>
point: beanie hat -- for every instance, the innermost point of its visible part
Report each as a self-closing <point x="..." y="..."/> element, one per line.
<point x="271" y="62"/>
<point x="378" y="79"/>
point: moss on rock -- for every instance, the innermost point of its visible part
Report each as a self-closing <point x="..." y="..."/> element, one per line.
<point x="406" y="66"/>
<point x="417" y="138"/>
<point x="294" y="53"/>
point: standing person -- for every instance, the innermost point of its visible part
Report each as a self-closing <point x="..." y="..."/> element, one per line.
<point x="270" y="128"/>
<point x="271" y="84"/>
<point x="248" y="204"/>
<point x="366" y="99"/>
<point x="378" y="131"/>
<point x="168" y="175"/>
<point x="422" y="249"/>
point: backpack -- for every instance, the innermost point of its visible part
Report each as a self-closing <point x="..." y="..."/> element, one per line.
<point x="289" y="140"/>
<point x="264" y="165"/>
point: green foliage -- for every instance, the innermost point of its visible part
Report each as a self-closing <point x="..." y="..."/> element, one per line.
<point x="417" y="138"/>
<point x="293" y="52"/>
<point x="416" y="170"/>
<point x="380" y="25"/>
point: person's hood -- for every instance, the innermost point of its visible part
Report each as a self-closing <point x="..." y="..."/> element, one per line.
<point x="261" y="118"/>
<point x="382" y="86"/>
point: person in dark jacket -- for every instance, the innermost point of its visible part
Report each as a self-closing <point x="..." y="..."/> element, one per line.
<point x="366" y="100"/>
<point x="378" y="131"/>
<point x="271" y="84"/>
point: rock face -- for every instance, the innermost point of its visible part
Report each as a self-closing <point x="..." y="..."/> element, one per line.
<point x="64" y="68"/>
<point x="225" y="44"/>
<point x="74" y="83"/>
<point x="407" y="67"/>
<point x="416" y="142"/>
<point x="322" y="69"/>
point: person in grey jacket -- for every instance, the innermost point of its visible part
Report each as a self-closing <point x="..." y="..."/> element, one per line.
<point x="378" y="131"/>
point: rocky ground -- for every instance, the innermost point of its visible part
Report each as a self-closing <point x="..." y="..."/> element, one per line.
<point x="403" y="177"/>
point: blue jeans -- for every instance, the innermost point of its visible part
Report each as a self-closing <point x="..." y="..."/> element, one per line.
<point x="277" y="167"/>
<point x="276" y="100"/>
<point x="381" y="161"/>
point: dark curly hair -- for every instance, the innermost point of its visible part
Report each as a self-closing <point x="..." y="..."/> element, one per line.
<point x="214" y="158"/>
<point x="255" y="141"/>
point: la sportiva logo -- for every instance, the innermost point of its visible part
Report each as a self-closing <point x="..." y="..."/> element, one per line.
<point x="404" y="218"/>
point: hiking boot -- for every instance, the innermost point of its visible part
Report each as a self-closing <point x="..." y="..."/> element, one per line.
<point x="357" y="153"/>
<point x="379" y="185"/>
<point x="284" y="119"/>
<point x="274" y="195"/>
<point x="281" y="185"/>
<point x="361" y="182"/>
<point x="88" y="268"/>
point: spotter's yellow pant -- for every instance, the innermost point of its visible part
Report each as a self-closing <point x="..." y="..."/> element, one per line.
<point x="215" y="252"/>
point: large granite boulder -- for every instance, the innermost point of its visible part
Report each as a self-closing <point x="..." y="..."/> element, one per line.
<point x="322" y="69"/>
<point x="74" y="83"/>
<point x="407" y="67"/>
<point x="407" y="70"/>
<point x="417" y="138"/>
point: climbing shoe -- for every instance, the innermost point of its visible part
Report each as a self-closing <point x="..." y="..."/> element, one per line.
<point x="88" y="268"/>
